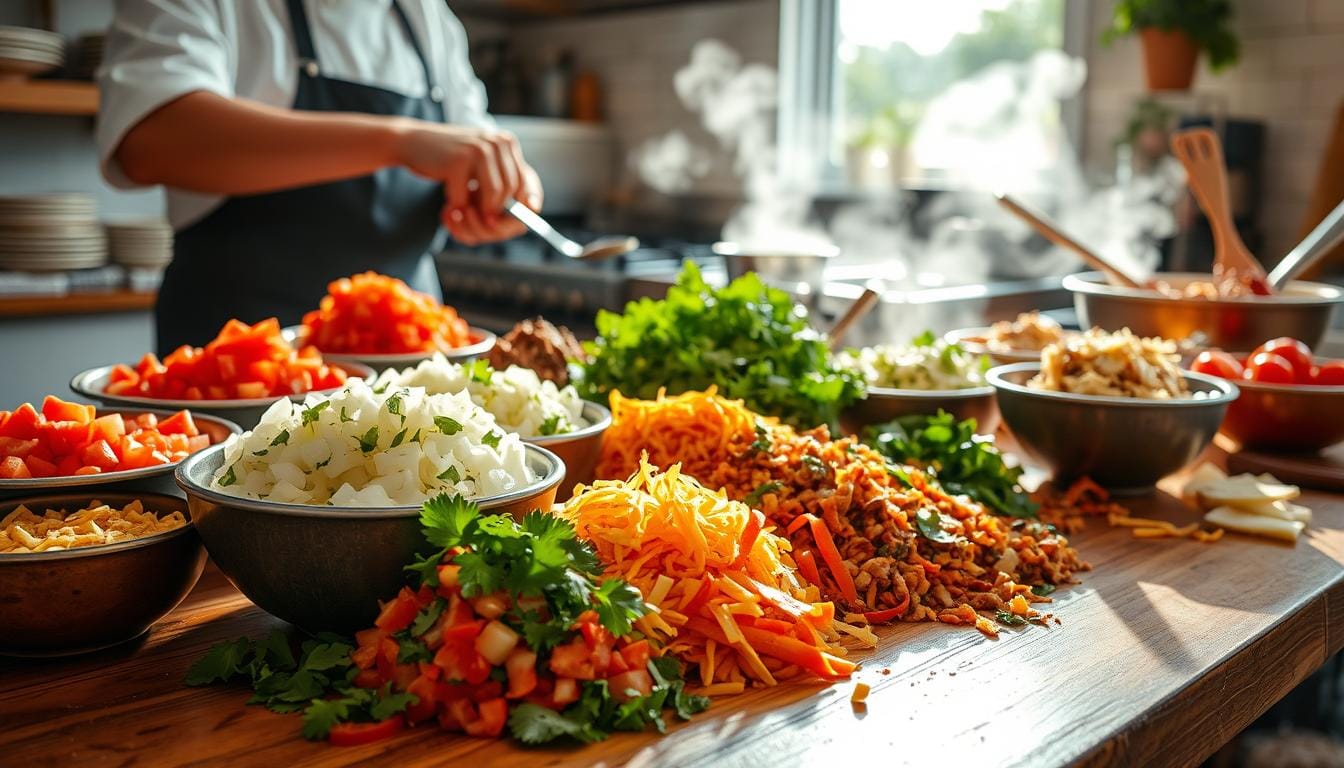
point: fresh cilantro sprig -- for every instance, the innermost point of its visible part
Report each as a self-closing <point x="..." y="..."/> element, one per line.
<point x="958" y="459"/>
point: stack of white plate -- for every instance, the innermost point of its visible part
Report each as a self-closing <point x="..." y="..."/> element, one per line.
<point x="146" y="244"/>
<point x="47" y="233"/>
<point x="25" y="52"/>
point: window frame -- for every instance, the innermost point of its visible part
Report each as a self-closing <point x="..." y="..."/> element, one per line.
<point x="809" y="39"/>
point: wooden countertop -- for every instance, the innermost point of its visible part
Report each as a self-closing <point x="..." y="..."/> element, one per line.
<point x="1166" y="650"/>
<point x="76" y="303"/>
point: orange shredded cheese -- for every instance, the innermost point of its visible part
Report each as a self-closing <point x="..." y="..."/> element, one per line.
<point x="724" y="592"/>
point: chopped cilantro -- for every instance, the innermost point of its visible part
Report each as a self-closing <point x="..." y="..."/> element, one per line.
<point x="447" y="426"/>
<point x="491" y="439"/>
<point x="754" y="498"/>
<point x="228" y="478"/>
<point x="369" y="441"/>
<point x="282" y="438"/>
<point x="450" y="475"/>
<point x="398" y="438"/>
<point x="929" y="521"/>
<point x="550" y="426"/>
<point x="310" y="415"/>
<point x="1043" y="590"/>
<point x="1009" y="619"/>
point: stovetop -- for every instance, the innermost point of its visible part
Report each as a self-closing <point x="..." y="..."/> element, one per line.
<point x="503" y="282"/>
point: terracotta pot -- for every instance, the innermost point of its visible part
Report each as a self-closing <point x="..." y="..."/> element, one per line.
<point x="1169" y="57"/>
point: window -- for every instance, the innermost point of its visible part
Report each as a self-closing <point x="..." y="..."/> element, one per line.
<point x="880" y="93"/>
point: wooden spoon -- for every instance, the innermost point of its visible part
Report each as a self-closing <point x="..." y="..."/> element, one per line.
<point x="1201" y="152"/>
<point x="1051" y="231"/>
<point x="861" y="306"/>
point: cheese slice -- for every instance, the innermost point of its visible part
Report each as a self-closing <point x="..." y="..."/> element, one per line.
<point x="1285" y="510"/>
<point x="1205" y="474"/>
<point x="1258" y="525"/>
<point x="1241" y="490"/>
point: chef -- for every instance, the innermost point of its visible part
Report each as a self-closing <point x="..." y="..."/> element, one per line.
<point x="299" y="141"/>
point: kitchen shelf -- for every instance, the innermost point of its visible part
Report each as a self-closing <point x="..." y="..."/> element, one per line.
<point x="75" y="304"/>
<point x="49" y="97"/>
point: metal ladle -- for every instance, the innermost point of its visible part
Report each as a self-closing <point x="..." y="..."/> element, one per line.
<point x="601" y="248"/>
<point x="1319" y="242"/>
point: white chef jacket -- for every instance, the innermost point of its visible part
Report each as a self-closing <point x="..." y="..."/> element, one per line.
<point x="159" y="50"/>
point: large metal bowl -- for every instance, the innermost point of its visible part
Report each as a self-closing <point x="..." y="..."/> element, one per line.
<point x="157" y="479"/>
<point x="485" y="342"/>
<point x="884" y="404"/>
<point x="579" y="450"/>
<point x="326" y="568"/>
<point x="1125" y="444"/>
<point x="1286" y="417"/>
<point x="799" y="271"/>
<point x="1302" y="311"/>
<point x="244" y="412"/>
<point x="79" y="600"/>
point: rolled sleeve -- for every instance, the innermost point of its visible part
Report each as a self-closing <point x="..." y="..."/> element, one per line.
<point x="465" y="93"/>
<point x="157" y="51"/>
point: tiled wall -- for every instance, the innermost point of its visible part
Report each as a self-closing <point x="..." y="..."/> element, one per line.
<point x="1290" y="76"/>
<point x="637" y="53"/>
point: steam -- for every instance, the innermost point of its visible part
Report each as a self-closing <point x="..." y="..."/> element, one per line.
<point x="984" y="134"/>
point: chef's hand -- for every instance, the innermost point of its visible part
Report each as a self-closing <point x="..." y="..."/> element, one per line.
<point x="480" y="170"/>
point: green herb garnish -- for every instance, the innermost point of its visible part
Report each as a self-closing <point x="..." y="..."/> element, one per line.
<point x="397" y="438"/>
<point x="929" y="522"/>
<point x="1043" y="590"/>
<point x="961" y="461"/>
<point x="369" y="441"/>
<point x="491" y="439"/>
<point x="310" y="415"/>
<point x="447" y="426"/>
<point x="754" y="498"/>
<point x="1009" y="619"/>
<point x="450" y="475"/>
<point x="550" y="426"/>
<point x="750" y="339"/>
<point x="282" y="438"/>
<point x="228" y="478"/>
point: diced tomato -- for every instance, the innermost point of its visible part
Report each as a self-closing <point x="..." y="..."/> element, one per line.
<point x="574" y="659"/>
<point x="637" y="680"/>
<point x="40" y="467"/>
<point x="251" y="390"/>
<point x="458" y="657"/>
<point x="56" y="409"/>
<point x="354" y="734"/>
<point x="13" y="468"/>
<point x="566" y="692"/>
<point x="21" y="423"/>
<point x="636" y="654"/>
<point x="490" y="721"/>
<point x="372" y="313"/>
<point x="522" y="669"/>
<point x="368" y="678"/>
<point x="88" y="470"/>
<point x="99" y="454"/>
<point x="110" y="428"/>
<point x="424" y="689"/>
<point x="198" y="443"/>
<point x="398" y="613"/>
<point x="65" y="437"/>
<point x="13" y="446"/>
<point x="121" y="372"/>
<point x="179" y="423"/>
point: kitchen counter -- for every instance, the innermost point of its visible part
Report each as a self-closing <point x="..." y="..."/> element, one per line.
<point x="1162" y="654"/>
<point x="76" y="304"/>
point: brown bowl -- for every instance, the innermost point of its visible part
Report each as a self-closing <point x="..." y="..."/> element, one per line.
<point x="1285" y="417"/>
<point x="1301" y="311"/>
<point x="884" y="404"/>
<point x="326" y="568"/>
<point x="79" y="600"/>
<point x="579" y="450"/>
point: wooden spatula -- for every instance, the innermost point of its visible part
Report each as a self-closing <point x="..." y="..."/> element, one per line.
<point x="1201" y="152"/>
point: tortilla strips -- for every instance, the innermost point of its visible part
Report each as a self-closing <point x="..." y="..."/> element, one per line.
<point x="725" y="593"/>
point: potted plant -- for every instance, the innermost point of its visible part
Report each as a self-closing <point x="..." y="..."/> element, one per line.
<point x="1173" y="33"/>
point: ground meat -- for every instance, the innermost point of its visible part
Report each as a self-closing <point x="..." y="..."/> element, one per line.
<point x="539" y="345"/>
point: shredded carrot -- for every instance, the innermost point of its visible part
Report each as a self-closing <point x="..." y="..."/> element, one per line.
<point x="740" y="614"/>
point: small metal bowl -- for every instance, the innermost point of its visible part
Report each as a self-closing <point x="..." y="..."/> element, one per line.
<point x="158" y="479"/>
<point x="295" y="335"/>
<point x="244" y="412"/>
<point x="976" y="341"/>
<point x="884" y="404"/>
<point x="1302" y="311"/>
<point x="79" y="600"/>
<point x="326" y="568"/>
<point x="579" y="450"/>
<point x="1286" y="417"/>
<point x="1125" y="444"/>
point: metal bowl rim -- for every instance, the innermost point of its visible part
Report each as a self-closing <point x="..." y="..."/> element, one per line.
<point x="965" y="393"/>
<point x="106" y="478"/>
<point x="487" y="342"/>
<point x="555" y="473"/>
<point x="1092" y="284"/>
<point x="8" y="558"/>
<point x="596" y="426"/>
<point x="80" y="385"/>
<point x="1226" y="390"/>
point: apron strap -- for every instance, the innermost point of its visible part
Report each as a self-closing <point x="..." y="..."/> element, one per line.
<point x="303" y="38"/>
<point x="434" y="91"/>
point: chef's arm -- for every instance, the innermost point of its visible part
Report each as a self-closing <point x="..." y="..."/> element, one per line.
<point x="207" y="143"/>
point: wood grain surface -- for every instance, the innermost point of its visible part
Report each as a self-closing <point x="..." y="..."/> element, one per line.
<point x="76" y="304"/>
<point x="1324" y="470"/>
<point x="1164" y="652"/>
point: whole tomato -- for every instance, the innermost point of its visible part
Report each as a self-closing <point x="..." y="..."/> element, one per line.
<point x="1216" y="362"/>
<point x="1269" y="368"/>
<point x="1330" y="374"/>
<point x="1297" y="354"/>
